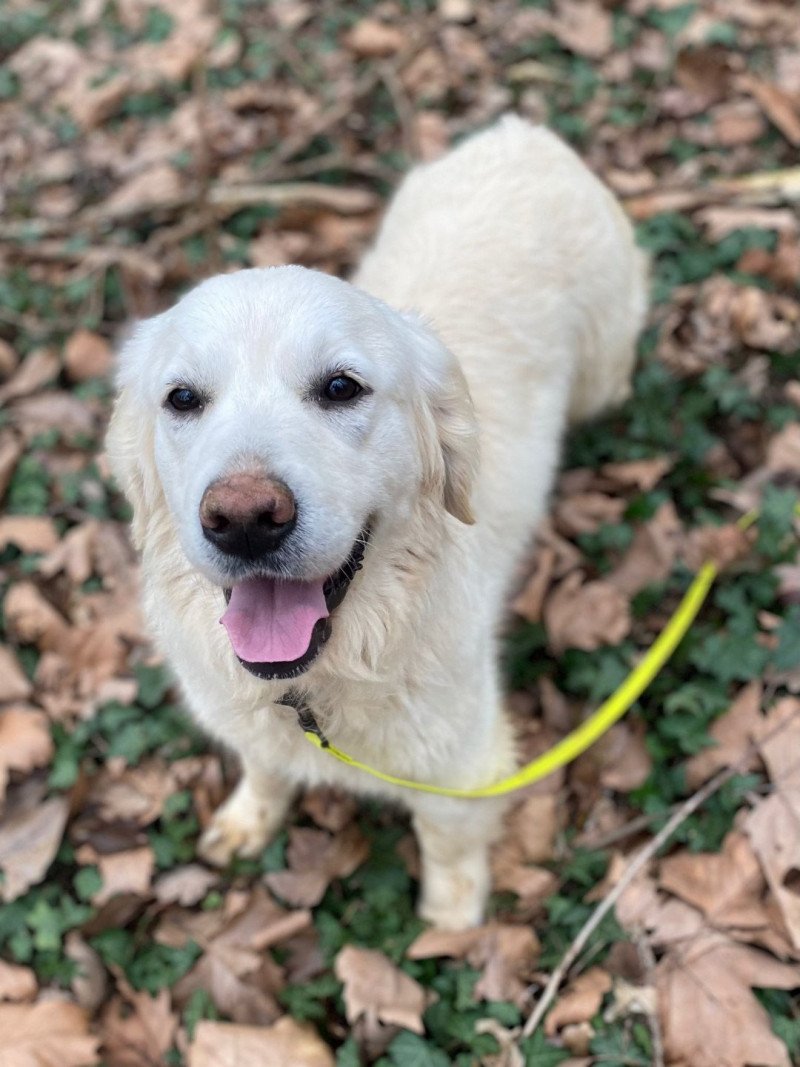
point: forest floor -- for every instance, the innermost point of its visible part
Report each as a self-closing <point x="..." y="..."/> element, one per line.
<point x="144" y="146"/>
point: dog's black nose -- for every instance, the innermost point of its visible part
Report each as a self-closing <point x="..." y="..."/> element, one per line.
<point x="247" y="514"/>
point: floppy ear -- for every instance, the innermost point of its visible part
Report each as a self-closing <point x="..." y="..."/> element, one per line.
<point x="130" y="436"/>
<point x="450" y="453"/>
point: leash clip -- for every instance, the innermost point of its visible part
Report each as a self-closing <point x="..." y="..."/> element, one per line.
<point x="305" y="716"/>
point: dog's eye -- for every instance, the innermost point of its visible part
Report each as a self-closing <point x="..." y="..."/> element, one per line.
<point x="183" y="399"/>
<point x="341" y="389"/>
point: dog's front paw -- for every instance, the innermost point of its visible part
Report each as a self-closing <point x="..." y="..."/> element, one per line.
<point x="242" y="826"/>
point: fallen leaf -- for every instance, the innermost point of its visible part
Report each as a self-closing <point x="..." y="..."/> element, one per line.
<point x="86" y="355"/>
<point x="315" y="858"/>
<point x="185" y="885"/>
<point x="731" y="735"/>
<point x="38" y="369"/>
<point x="532" y="826"/>
<point x="28" y="533"/>
<point x="709" y="1015"/>
<point x="138" y="1029"/>
<point x="779" y="107"/>
<point x="583" y="26"/>
<point x="580" y="1001"/>
<point x="16" y="983"/>
<point x="641" y="474"/>
<point x="129" y="871"/>
<point x="234" y="970"/>
<point x="29" y="840"/>
<point x="281" y="1045"/>
<point x="14" y="684"/>
<point x="374" y="987"/>
<point x="586" y="615"/>
<point x="506" y="954"/>
<point x="586" y="512"/>
<point x="10" y="452"/>
<point x="46" y="1034"/>
<point x="375" y="39"/>
<point x="652" y="553"/>
<point x="727" y="887"/>
<point x="89" y="982"/>
<point x="25" y="741"/>
<point x="619" y="760"/>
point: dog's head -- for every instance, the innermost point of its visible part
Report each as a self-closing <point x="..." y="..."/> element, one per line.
<point x="272" y="418"/>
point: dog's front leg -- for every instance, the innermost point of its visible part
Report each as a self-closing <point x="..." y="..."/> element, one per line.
<point x="454" y="838"/>
<point x="249" y="818"/>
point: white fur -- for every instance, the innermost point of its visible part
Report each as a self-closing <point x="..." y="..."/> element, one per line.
<point x="523" y="265"/>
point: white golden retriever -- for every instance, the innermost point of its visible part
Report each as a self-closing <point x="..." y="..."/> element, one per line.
<point x="287" y="438"/>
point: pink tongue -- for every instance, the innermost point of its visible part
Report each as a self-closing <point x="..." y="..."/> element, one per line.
<point x="271" y="621"/>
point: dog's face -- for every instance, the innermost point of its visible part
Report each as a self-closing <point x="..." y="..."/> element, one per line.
<point x="278" y="415"/>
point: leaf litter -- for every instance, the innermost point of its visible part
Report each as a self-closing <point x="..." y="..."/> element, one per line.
<point x="145" y="145"/>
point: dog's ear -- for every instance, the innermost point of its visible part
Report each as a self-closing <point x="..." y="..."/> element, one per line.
<point x="130" y="436"/>
<point x="450" y="452"/>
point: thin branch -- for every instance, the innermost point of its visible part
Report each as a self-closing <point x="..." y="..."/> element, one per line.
<point x="638" y="863"/>
<point x="640" y="860"/>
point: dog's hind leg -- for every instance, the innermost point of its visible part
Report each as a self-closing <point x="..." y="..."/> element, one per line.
<point x="249" y="818"/>
<point x="454" y="838"/>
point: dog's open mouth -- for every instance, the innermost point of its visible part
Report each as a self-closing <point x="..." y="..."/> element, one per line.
<point x="278" y="626"/>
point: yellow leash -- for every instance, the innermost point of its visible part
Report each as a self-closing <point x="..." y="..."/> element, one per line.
<point x="609" y="712"/>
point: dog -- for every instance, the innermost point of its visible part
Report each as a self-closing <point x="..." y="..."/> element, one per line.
<point x="334" y="484"/>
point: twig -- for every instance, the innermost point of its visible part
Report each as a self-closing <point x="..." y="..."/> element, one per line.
<point x="648" y="961"/>
<point x="639" y="861"/>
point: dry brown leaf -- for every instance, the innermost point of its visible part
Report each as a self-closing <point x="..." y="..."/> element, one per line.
<point x="330" y="808"/>
<point x="774" y="830"/>
<point x="731" y="733"/>
<point x="185" y="885"/>
<point x="375" y="988"/>
<point x="532" y="826"/>
<point x="51" y="1033"/>
<point x="641" y="474"/>
<point x="31" y="619"/>
<point x="720" y="545"/>
<point x="234" y="969"/>
<point x="89" y="983"/>
<point x="580" y="1001"/>
<point x="25" y="741"/>
<point x="619" y="760"/>
<point x="727" y="887"/>
<point x="86" y="355"/>
<point x="28" y="533"/>
<point x="55" y="409"/>
<point x="505" y="953"/>
<point x="9" y="360"/>
<point x="583" y="26"/>
<point x="652" y="553"/>
<point x="529" y="602"/>
<point x="10" y="451"/>
<point x="138" y="1029"/>
<point x="37" y="369"/>
<point x="14" y="684"/>
<point x="315" y="858"/>
<point x="129" y="871"/>
<point x="779" y="107"/>
<point x="783" y="451"/>
<point x="710" y="1017"/>
<point x="375" y="39"/>
<point x="586" y="615"/>
<point x="586" y="512"/>
<point x="29" y="840"/>
<point x="774" y="823"/>
<point x="286" y="1043"/>
<point x="16" y="983"/>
